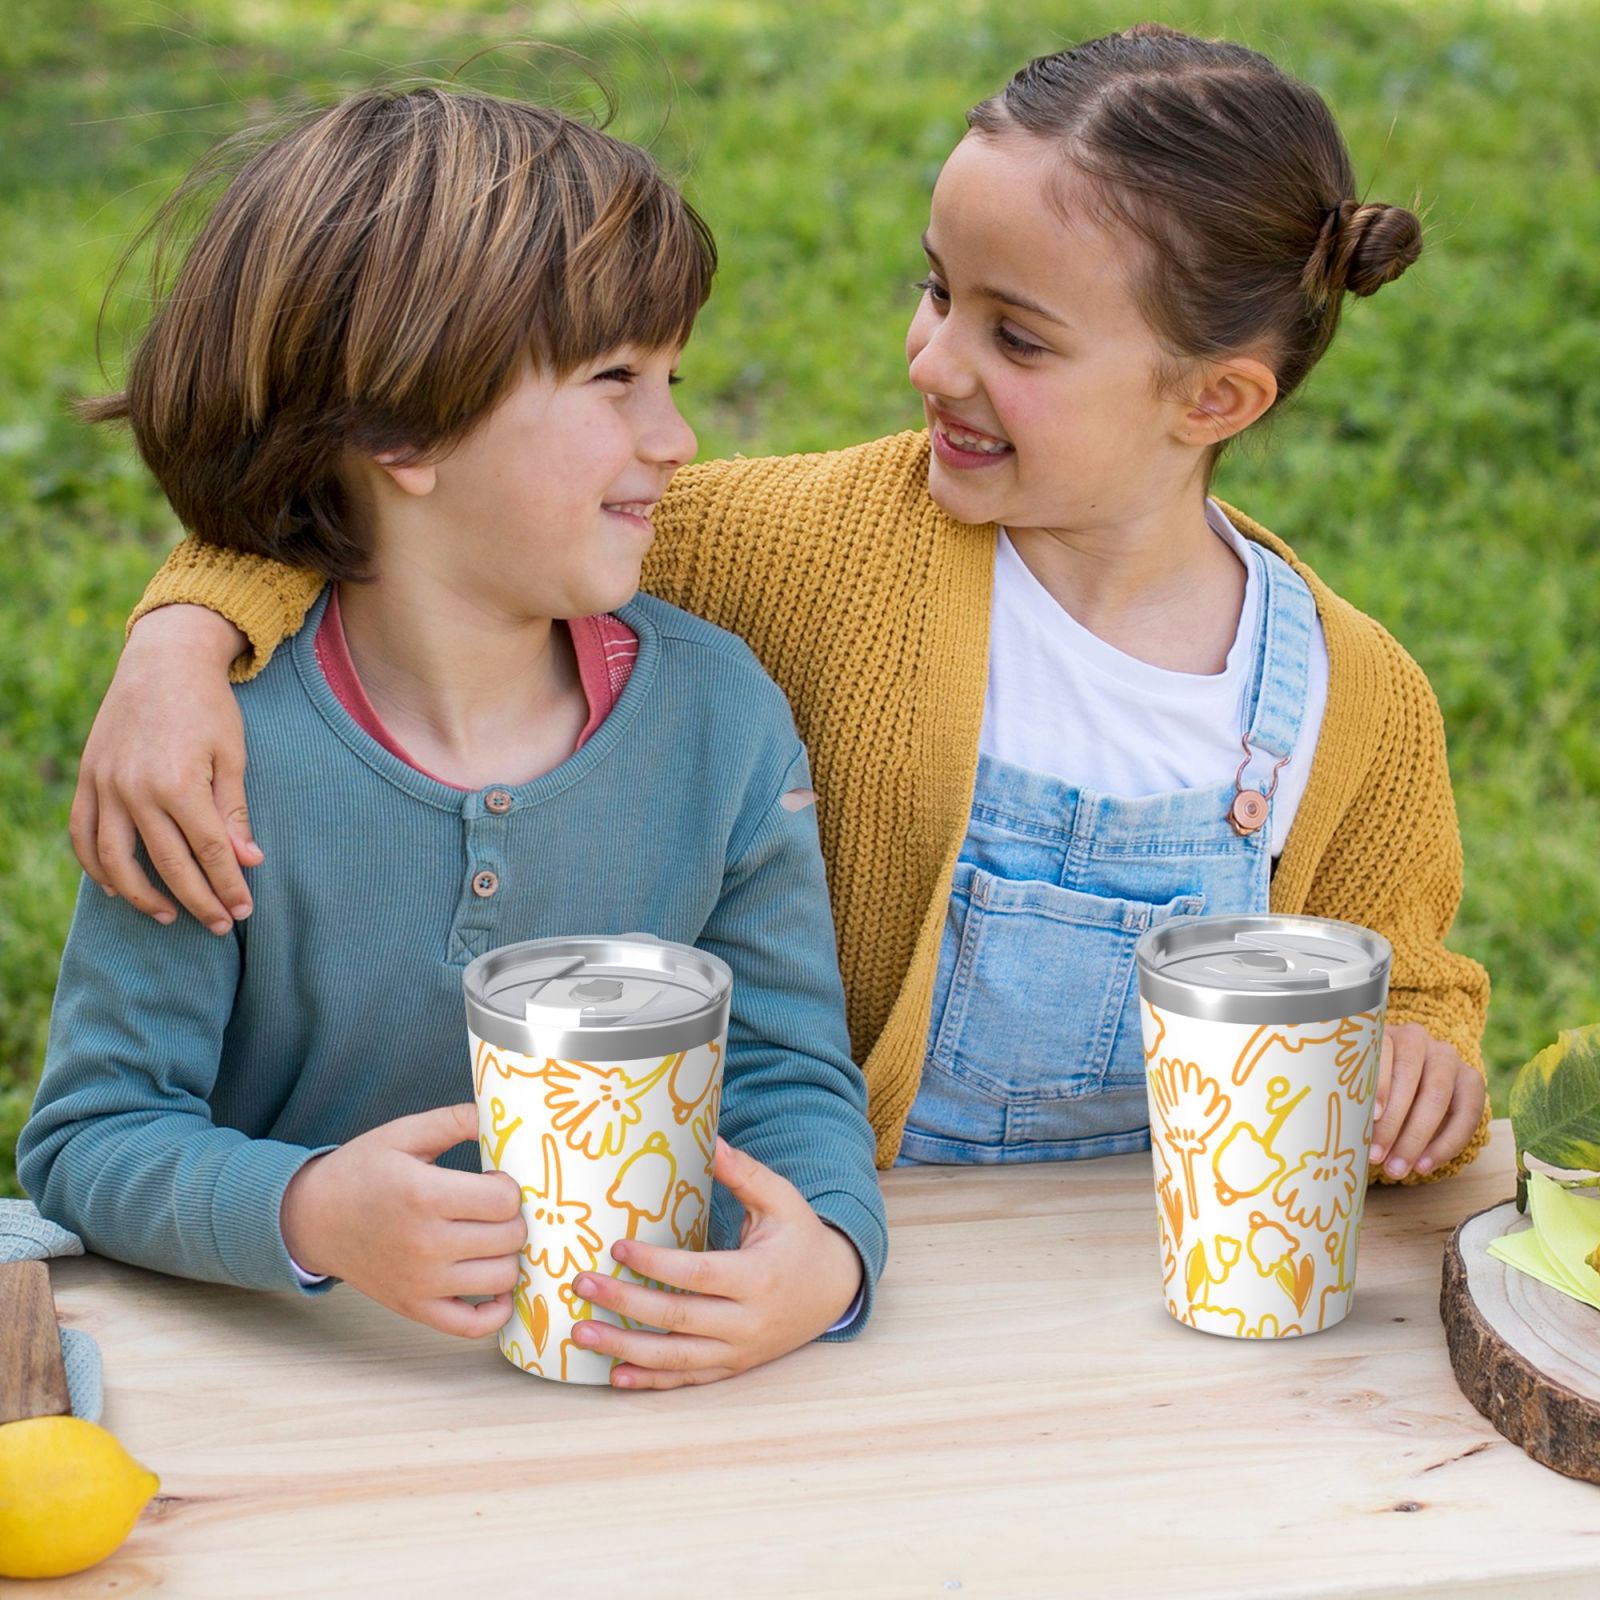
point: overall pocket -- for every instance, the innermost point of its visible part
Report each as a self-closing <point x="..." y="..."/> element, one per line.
<point x="1040" y="1014"/>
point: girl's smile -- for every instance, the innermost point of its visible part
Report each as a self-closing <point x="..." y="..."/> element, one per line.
<point x="1038" y="371"/>
<point x="962" y="446"/>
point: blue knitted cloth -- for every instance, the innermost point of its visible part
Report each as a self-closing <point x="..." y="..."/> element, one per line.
<point x="26" y="1236"/>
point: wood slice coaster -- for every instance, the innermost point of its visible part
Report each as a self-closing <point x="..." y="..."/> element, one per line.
<point x="1526" y="1356"/>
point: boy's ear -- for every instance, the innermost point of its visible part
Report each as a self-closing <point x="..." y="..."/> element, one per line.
<point x="1235" y="393"/>
<point x="409" y="477"/>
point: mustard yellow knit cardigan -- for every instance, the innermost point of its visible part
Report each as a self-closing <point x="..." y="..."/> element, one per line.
<point x="870" y="607"/>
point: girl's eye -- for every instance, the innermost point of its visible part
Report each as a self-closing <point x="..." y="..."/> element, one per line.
<point x="934" y="290"/>
<point x="616" y="375"/>
<point x="1017" y="347"/>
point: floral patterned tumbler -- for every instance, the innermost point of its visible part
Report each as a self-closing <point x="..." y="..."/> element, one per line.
<point x="597" y="1065"/>
<point x="1261" y="1041"/>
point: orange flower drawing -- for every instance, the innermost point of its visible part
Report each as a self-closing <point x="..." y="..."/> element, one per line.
<point x="1320" y="1187"/>
<point x="1359" y="1039"/>
<point x="595" y="1106"/>
<point x="692" y="1075"/>
<point x="689" y="1217"/>
<point x="1191" y="1106"/>
<point x="560" y="1239"/>
<point x="643" y="1186"/>
<point x="507" y="1064"/>
<point x="1270" y="1245"/>
<point x="1154" y="1029"/>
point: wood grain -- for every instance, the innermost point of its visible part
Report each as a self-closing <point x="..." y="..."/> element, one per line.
<point x="1022" y="1421"/>
<point x="33" y="1379"/>
<point x="1527" y="1357"/>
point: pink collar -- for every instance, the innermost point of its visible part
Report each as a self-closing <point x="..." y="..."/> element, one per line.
<point x="606" y="648"/>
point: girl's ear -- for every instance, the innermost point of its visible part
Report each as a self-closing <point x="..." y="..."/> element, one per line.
<point x="409" y="477"/>
<point x="1235" y="393"/>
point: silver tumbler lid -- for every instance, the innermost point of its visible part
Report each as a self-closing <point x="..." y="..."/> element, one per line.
<point x="1264" y="968"/>
<point x="605" y="998"/>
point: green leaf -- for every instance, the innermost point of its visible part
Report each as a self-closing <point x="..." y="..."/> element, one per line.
<point x="1555" y="1102"/>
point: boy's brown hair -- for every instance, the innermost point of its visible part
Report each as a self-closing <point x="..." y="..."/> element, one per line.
<point x="376" y="279"/>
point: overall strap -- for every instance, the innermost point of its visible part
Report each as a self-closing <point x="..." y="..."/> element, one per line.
<point x="1283" y="649"/>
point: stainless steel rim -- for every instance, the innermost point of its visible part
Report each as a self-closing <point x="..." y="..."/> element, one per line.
<point x="631" y="952"/>
<point x="1214" y="1004"/>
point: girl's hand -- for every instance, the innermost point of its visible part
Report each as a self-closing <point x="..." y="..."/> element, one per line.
<point x="1429" y="1102"/>
<point x="165" y="760"/>
<point x="790" y="1279"/>
<point x="413" y="1236"/>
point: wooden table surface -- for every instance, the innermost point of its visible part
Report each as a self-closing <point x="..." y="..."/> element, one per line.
<point x="1022" y="1418"/>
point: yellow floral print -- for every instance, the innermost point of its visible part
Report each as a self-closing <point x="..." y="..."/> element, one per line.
<point x="1201" y="1277"/>
<point x="1357" y="1039"/>
<point x="506" y="1063"/>
<point x="1191" y="1107"/>
<point x="595" y="1106"/>
<point x="502" y="1134"/>
<point x="1270" y="1245"/>
<point x="1356" y="1061"/>
<point x="560" y="1240"/>
<point x="1155" y="1029"/>
<point x="643" y="1186"/>
<point x="689" y="1219"/>
<point x="693" y="1074"/>
<point x="1320" y="1188"/>
<point x="1246" y="1162"/>
<point x="704" y="1127"/>
<point x="535" y="1313"/>
<point x="1268" y="1328"/>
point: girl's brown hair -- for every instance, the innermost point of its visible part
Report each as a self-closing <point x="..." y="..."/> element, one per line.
<point x="375" y="279"/>
<point x="1233" y="173"/>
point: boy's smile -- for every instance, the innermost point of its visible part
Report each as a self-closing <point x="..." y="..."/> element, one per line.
<point x="543" y="508"/>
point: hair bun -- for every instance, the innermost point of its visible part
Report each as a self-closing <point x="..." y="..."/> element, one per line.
<point x="1361" y="248"/>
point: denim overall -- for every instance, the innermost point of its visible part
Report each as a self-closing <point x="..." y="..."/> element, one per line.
<point x="1034" y="1047"/>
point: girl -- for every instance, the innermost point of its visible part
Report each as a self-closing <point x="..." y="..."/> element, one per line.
<point x="1054" y="692"/>
<point x="423" y="345"/>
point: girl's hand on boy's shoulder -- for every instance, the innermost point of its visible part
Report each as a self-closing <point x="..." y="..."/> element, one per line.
<point x="165" y="763"/>
<point x="791" y="1279"/>
<point x="1430" y="1102"/>
<point x="413" y="1236"/>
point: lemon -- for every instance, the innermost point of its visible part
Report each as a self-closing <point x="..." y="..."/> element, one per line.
<point x="69" y="1495"/>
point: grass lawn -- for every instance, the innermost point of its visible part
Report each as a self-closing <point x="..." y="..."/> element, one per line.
<point x="1438" y="469"/>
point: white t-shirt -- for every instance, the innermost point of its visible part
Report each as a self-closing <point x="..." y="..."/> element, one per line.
<point x="1064" y="702"/>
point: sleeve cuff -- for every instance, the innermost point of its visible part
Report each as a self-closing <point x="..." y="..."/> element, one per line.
<point x="847" y="1321"/>
<point x="864" y="1227"/>
<point x="263" y="599"/>
<point x="309" y="1280"/>
<point x="249" y="1225"/>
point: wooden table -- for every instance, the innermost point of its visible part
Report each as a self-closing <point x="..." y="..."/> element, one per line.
<point x="1022" y="1419"/>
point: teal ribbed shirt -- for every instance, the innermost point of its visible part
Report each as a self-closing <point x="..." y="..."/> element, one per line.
<point x="188" y="1077"/>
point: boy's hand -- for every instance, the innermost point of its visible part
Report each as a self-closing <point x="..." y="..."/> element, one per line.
<point x="412" y="1236"/>
<point x="165" y="761"/>
<point x="1429" y="1102"/>
<point x="791" y="1278"/>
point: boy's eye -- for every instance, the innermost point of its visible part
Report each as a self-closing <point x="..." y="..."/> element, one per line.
<point x="934" y="290"/>
<point x="616" y="375"/>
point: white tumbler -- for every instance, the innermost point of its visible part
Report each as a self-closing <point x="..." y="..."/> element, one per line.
<point x="1261" y="1044"/>
<point x="597" y="1066"/>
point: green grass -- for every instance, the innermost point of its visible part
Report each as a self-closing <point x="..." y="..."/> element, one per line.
<point x="1437" y="469"/>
